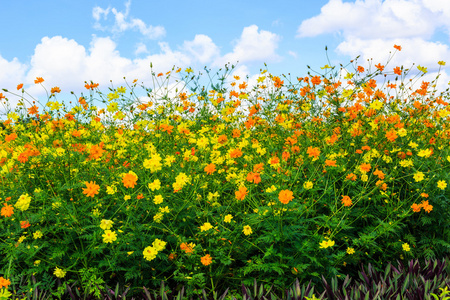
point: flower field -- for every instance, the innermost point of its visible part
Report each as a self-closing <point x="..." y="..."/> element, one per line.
<point x="326" y="172"/>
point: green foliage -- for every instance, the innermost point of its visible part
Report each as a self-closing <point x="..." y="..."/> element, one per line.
<point x="311" y="192"/>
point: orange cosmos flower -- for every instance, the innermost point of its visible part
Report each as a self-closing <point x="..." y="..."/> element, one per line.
<point x="129" y="180"/>
<point x="92" y="189"/>
<point x="210" y="168"/>
<point x="397" y="71"/>
<point x="7" y="210"/>
<point x="285" y="196"/>
<point x="39" y="80"/>
<point x="346" y="201"/>
<point x="399" y="48"/>
<point x="365" y="167"/>
<point x="313" y="151"/>
<point x="416" y="207"/>
<point x="55" y="90"/>
<point x="4" y="282"/>
<point x="24" y="224"/>
<point x="206" y="260"/>
<point x="19" y="86"/>
<point x="240" y="195"/>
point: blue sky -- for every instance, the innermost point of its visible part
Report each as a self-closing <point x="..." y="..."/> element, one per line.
<point x="70" y="42"/>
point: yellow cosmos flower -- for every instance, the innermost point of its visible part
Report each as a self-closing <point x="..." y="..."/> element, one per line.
<point x="405" y="247"/>
<point x="206" y="226"/>
<point x="419" y="176"/>
<point x="106" y="224"/>
<point x="441" y="184"/>
<point x="150" y="253"/>
<point x="228" y="218"/>
<point x="109" y="236"/>
<point x="247" y="230"/>
<point x="59" y="273"/>
<point x="326" y="244"/>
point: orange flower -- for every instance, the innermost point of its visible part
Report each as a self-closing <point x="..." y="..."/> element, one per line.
<point x="7" y="210"/>
<point x="285" y="196"/>
<point x="206" y="260"/>
<point x="240" y="195"/>
<point x="4" y="282"/>
<point x="399" y="48"/>
<point x="391" y="135"/>
<point x="427" y="207"/>
<point x="360" y="69"/>
<point x="129" y="180"/>
<point x="24" y="224"/>
<point x="19" y="86"/>
<point x="380" y="67"/>
<point x="313" y="151"/>
<point x="365" y="167"/>
<point x="316" y="80"/>
<point x="55" y="90"/>
<point x="346" y="201"/>
<point x="10" y="137"/>
<point x="39" y="80"/>
<point x="329" y="162"/>
<point x="397" y="71"/>
<point x="416" y="207"/>
<point x="92" y="189"/>
<point x="188" y="248"/>
<point x="210" y="168"/>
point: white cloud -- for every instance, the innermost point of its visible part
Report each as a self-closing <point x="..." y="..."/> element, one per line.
<point x="414" y="50"/>
<point x="370" y="28"/>
<point x="140" y="48"/>
<point x="293" y="54"/>
<point x="12" y="73"/>
<point x="66" y="64"/>
<point x="373" y="19"/>
<point x="202" y="48"/>
<point x="122" y="23"/>
<point x="252" y="46"/>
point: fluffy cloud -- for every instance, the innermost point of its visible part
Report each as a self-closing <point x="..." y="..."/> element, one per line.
<point x="121" y="22"/>
<point x="252" y="46"/>
<point x="202" y="48"/>
<point x="374" y="19"/>
<point x="12" y="73"/>
<point x="370" y="28"/>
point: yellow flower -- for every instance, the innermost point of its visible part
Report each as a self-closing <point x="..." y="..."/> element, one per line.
<point x="405" y="247"/>
<point x="150" y="253"/>
<point x="418" y="176"/>
<point x="155" y="185"/>
<point x="441" y="184"/>
<point x="376" y="105"/>
<point x="158" y="217"/>
<point x="424" y="153"/>
<point x="308" y="185"/>
<point x="59" y="273"/>
<point x="158" y="199"/>
<point x="109" y="236"/>
<point x="228" y="218"/>
<point x="37" y="234"/>
<point x="24" y="202"/>
<point x="247" y="230"/>
<point x="206" y="226"/>
<point x="159" y="245"/>
<point x="164" y="209"/>
<point x="350" y="250"/>
<point x="106" y="224"/>
<point x="326" y="244"/>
